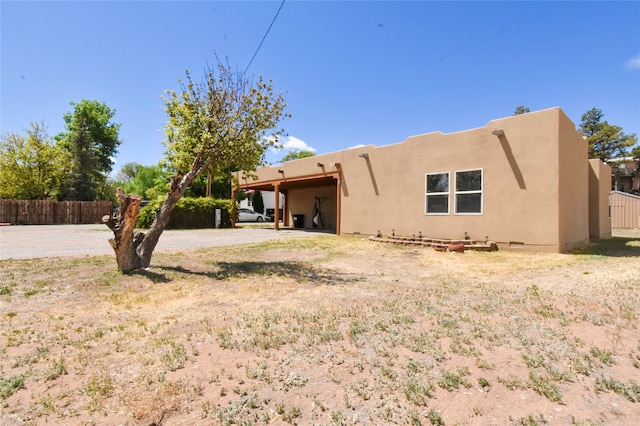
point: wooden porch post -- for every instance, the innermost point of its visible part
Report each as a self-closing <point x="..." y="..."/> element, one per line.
<point x="285" y="219"/>
<point x="276" y="217"/>
<point x="338" y="205"/>
<point x="233" y="209"/>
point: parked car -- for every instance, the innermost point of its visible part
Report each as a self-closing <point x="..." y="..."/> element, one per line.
<point x="248" y="215"/>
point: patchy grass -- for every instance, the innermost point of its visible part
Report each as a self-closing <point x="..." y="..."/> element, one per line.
<point x="324" y="330"/>
<point x="10" y="385"/>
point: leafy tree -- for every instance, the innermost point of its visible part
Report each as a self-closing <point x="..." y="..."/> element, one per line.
<point x="294" y="155"/>
<point x="198" y="188"/>
<point x="258" y="202"/>
<point x="92" y="140"/>
<point x="80" y="184"/>
<point x="606" y="141"/>
<point x="216" y="125"/>
<point x="106" y="190"/>
<point x="521" y="109"/>
<point x="127" y="172"/>
<point x="149" y="182"/>
<point x="221" y="187"/>
<point x="31" y="166"/>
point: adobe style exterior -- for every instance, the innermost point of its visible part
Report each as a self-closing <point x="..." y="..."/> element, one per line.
<point x="625" y="178"/>
<point x="524" y="182"/>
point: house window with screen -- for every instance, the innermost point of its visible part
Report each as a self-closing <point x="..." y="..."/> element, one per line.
<point x="468" y="192"/>
<point x="437" y="194"/>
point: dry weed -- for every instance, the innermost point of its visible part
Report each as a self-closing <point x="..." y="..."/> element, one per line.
<point x="324" y="330"/>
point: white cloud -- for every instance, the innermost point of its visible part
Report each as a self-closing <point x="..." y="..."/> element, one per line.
<point x="356" y="146"/>
<point x="288" y="144"/>
<point x="634" y="63"/>
<point x="292" y="143"/>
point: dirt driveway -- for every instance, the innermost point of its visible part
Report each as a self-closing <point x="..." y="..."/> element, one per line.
<point x="36" y="241"/>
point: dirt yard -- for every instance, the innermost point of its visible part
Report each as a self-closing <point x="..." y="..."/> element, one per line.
<point x="324" y="330"/>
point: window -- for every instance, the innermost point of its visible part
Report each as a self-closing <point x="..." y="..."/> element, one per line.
<point x="469" y="192"/>
<point x="437" y="193"/>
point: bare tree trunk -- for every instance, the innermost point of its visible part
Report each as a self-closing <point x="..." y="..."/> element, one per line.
<point x="126" y="240"/>
<point x="157" y="227"/>
<point x="134" y="249"/>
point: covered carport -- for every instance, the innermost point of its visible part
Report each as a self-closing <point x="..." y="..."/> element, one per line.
<point x="309" y="198"/>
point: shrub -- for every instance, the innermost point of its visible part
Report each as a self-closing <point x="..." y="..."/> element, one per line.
<point x="189" y="213"/>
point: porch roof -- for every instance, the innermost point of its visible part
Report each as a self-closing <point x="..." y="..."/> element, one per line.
<point x="285" y="183"/>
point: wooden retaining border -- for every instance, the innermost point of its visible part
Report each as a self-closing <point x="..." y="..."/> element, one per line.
<point x="439" y="244"/>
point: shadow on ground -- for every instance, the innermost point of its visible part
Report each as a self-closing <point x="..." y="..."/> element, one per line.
<point x="224" y="270"/>
<point x="613" y="247"/>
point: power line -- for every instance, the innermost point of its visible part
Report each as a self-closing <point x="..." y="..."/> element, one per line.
<point x="263" y="38"/>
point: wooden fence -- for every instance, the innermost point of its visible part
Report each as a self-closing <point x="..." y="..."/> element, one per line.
<point x="625" y="210"/>
<point x="46" y="212"/>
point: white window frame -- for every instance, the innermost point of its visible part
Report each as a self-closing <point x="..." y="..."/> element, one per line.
<point x="477" y="191"/>
<point x="427" y="194"/>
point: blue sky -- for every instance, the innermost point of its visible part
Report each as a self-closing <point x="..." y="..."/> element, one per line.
<point x="358" y="72"/>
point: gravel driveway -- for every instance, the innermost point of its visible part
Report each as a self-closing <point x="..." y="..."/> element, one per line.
<point x="35" y="241"/>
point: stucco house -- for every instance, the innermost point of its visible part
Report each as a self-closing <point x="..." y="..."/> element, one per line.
<point x="524" y="182"/>
<point x="625" y="178"/>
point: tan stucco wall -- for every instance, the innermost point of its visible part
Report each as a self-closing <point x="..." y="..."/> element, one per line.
<point x="599" y="185"/>
<point x="535" y="183"/>
<point x="573" y="186"/>
<point x="302" y="201"/>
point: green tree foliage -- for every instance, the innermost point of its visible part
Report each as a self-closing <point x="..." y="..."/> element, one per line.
<point x="150" y="182"/>
<point x="92" y="140"/>
<point x="220" y="187"/>
<point x="294" y="155"/>
<point x="106" y="190"/>
<point x="127" y="172"/>
<point x="521" y="109"/>
<point x="198" y="188"/>
<point x="220" y="124"/>
<point x="217" y="125"/>
<point x="606" y="141"/>
<point x="81" y="183"/>
<point x="258" y="202"/>
<point x="31" y="166"/>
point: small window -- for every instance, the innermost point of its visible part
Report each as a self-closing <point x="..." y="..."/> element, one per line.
<point x="469" y="192"/>
<point x="437" y="193"/>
